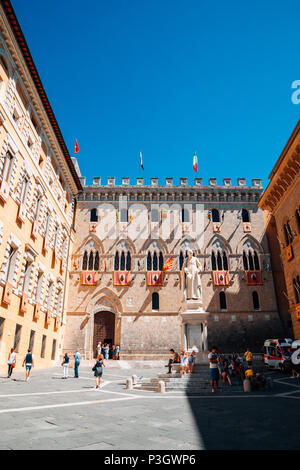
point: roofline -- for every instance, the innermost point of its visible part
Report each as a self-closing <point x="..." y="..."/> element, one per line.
<point x="285" y="150"/>
<point x="19" y="36"/>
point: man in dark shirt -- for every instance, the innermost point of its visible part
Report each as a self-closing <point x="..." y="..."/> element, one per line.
<point x="172" y="360"/>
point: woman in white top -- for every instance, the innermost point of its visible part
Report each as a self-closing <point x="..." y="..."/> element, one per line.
<point x="183" y="362"/>
<point x="11" y="362"/>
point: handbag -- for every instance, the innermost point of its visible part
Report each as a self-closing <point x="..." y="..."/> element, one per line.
<point x="94" y="368"/>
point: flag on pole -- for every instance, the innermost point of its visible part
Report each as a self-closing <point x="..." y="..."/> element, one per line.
<point x="141" y="161"/>
<point x="76" y="149"/>
<point x="195" y="162"/>
<point x="168" y="265"/>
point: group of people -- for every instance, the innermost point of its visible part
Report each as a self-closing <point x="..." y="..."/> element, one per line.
<point x="108" y="351"/>
<point x="28" y="363"/>
<point x="185" y="359"/>
<point x="233" y="366"/>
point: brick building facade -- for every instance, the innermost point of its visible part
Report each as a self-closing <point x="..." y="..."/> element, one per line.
<point x="37" y="185"/>
<point x="126" y="233"/>
<point x="281" y="205"/>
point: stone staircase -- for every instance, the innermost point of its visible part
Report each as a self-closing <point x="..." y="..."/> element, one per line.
<point x="198" y="382"/>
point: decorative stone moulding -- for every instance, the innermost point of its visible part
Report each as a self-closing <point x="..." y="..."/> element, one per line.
<point x="48" y="317"/>
<point x="289" y="253"/>
<point x="227" y="182"/>
<point x="4" y="190"/>
<point x="169" y="181"/>
<point x="198" y="181"/>
<point x="183" y="181"/>
<point x="140" y="181"/>
<point x="36" y="313"/>
<point x="24" y="302"/>
<point x="82" y="180"/>
<point x="241" y="182"/>
<point x="6" y="299"/>
<point x="212" y="181"/>
<point x="154" y="181"/>
<point x="46" y="243"/>
<point x="35" y="230"/>
<point x="56" y="323"/>
<point x="125" y="181"/>
<point x="257" y="183"/>
<point x="96" y="181"/>
<point x="21" y="213"/>
<point x="111" y="181"/>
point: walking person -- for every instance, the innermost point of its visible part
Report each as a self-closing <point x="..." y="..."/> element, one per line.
<point x="11" y="362"/>
<point x="183" y="362"/>
<point x="98" y="369"/>
<point x="76" y="364"/>
<point x="98" y="349"/>
<point x="28" y="363"/>
<point x="191" y="362"/>
<point x="213" y="358"/>
<point x="118" y="352"/>
<point x="106" y="351"/>
<point x="65" y="365"/>
<point x="248" y="357"/>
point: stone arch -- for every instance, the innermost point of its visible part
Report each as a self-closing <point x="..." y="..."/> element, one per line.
<point x="129" y="245"/>
<point x="254" y="243"/>
<point x="161" y="246"/>
<point x="97" y="244"/>
<point x="218" y="238"/>
<point x="109" y="297"/>
<point x="187" y="242"/>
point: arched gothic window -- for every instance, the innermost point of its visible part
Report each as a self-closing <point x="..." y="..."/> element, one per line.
<point x="219" y="260"/>
<point x="85" y="261"/>
<point x="96" y="263"/>
<point x="155" y="301"/>
<point x="222" y="297"/>
<point x="288" y="234"/>
<point x="94" y="215"/>
<point x="250" y="260"/>
<point x="245" y="215"/>
<point x="296" y="286"/>
<point x="91" y="261"/>
<point x="185" y="215"/>
<point x="255" y="299"/>
<point x="117" y="261"/>
<point x="297" y="214"/>
<point x="149" y="262"/>
<point x="215" y="215"/>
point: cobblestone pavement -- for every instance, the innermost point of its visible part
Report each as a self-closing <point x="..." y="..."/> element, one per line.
<point x="51" y="413"/>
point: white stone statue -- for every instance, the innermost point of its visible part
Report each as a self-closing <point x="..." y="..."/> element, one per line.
<point x="192" y="267"/>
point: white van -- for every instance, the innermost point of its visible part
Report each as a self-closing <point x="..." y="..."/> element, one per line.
<point x="276" y="351"/>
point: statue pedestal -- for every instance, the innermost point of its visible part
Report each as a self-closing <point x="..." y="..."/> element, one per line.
<point x="194" y="329"/>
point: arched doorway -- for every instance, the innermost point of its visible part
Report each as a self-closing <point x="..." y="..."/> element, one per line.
<point x="104" y="329"/>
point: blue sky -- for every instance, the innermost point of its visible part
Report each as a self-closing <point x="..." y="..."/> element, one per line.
<point x="169" y="77"/>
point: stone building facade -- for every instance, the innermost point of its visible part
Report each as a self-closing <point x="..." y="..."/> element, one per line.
<point x="37" y="185"/>
<point x="281" y="205"/>
<point x="126" y="234"/>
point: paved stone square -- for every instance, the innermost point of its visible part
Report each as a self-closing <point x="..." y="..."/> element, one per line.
<point x="51" y="413"/>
